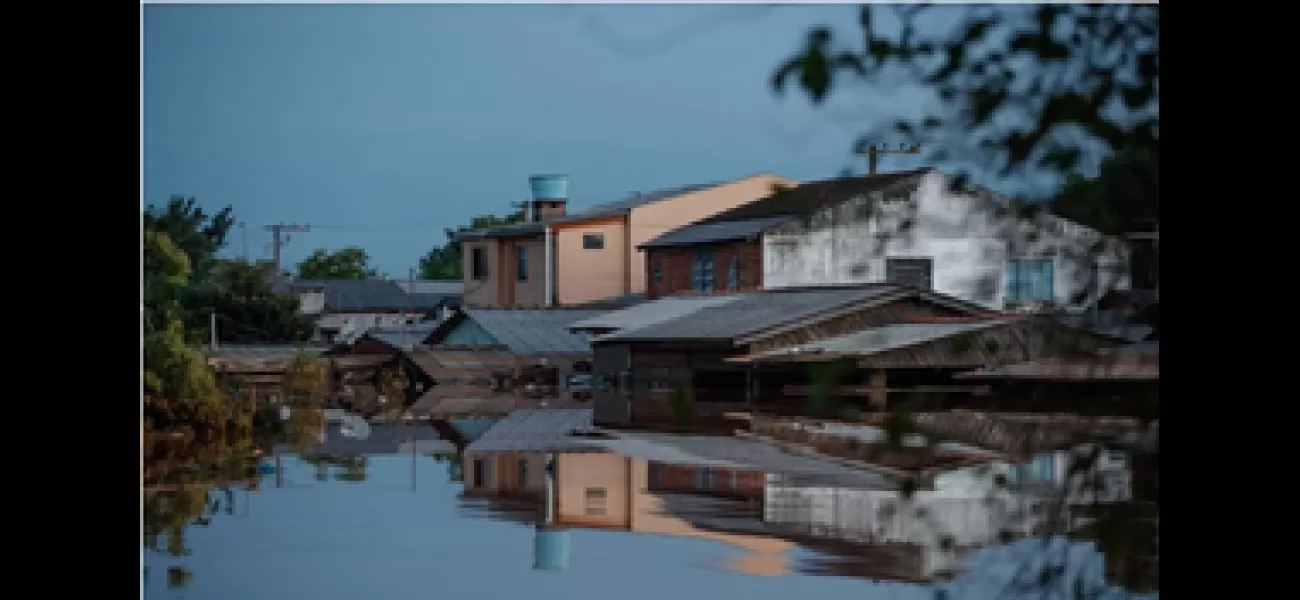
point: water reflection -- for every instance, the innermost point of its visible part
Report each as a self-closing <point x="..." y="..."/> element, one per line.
<point x="603" y="507"/>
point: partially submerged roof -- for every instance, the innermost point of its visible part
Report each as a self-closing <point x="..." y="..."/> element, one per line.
<point x="529" y="331"/>
<point x="536" y="430"/>
<point x="883" y="339"/>
<point x="715" y="232"/>
<point x="736" y="317"/>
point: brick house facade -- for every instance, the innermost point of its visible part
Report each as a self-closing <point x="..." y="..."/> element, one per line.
<point x="733" y="266"/>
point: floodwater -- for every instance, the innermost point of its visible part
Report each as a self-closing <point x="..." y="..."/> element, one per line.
<point x="398" y="528"/>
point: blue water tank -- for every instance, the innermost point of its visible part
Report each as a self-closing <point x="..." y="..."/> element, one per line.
<point x="550" y="187"/>
<point x="551" y="548"/>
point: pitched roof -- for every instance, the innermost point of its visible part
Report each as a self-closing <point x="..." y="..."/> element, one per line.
<point x="533" y="331"/>
<point x="750" y="219"/>
<point x="402" y="337"/>
<point x="888" y="337"/>
<point x="608" y="209"/>
<point x="536" y="430"/>
<point x="648" y="313"/>
<point x="715" y="232"/>
<point x="736" y="316"/>
<point x="363" y="295"/>
<point x="432" y="286"/>
<point x="613" y="302"/>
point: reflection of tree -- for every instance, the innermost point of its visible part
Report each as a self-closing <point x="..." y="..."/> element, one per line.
<point x="349" y="468"/>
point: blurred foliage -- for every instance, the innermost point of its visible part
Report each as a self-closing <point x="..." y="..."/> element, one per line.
<point x="1029" y="87"/>
<point x="351" y="263"/>
<point x="446" y="261"/>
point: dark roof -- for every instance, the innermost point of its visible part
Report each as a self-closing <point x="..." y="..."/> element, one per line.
<point x="715" y="232"/>
<point x="736" y="317"/>
<point x="433" y="286"/>
<point x="366" y="295"/>
<point x="748" y="220"/>
<point x="613" y="302"/>
<point x="608" y="209"/>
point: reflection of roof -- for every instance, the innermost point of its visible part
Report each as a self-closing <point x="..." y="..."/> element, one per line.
<point x="540" y="331"/>
<point x="715" y="232"/>
<point x="383" y="439"/>
<point x="537" y="430"/>
<point x="1118" y="367"/>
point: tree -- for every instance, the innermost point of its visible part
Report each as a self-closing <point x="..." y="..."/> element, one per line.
<point x="446" y="261"/>
<point x="199" y="235"/>
<point x="350" y="263"/>
<point x="1123" y="197"/>
<point x="247" y="310"/>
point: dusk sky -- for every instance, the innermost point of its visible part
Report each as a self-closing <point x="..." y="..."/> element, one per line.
<point x="382" y="125"/>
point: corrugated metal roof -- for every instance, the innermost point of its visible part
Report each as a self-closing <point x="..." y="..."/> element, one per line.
<point x="379" y="295"/>
<point x="714" y="232"/>
<point x="536" y="430"/>
<point x="535" y="331"/>
<point x="810" y="197"/>
<point x="888" y="337"/>
<point x="402" y="337"/>
<point x="431" y="286"/>
<point x="650" y="313"/>
<point x="750" y="313"/>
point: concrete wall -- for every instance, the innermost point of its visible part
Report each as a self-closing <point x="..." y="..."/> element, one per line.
<point x="501" y="287"/>
<point x="969" y="238"/>
<point x="594" y="489"/>
<point x="675" y="268"/>
<point x="583" y="275"/>
<point x="651" y="221"/>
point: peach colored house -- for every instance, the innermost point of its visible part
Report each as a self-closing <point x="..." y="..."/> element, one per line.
<point x="556" y="258"/>
<point x="610" y="491"/>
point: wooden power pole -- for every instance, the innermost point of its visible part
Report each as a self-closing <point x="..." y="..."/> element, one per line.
<point x="278" y="240"/>
<point x="873" y="152"/>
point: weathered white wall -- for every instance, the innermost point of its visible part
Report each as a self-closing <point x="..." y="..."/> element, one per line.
<point x="968" y="237"/>
<point x="311" y="303"/>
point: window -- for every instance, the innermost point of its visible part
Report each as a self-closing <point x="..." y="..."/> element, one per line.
<point x="523" y="473"/>
<point x="656" y="271"/>
<point x="595" y="501"/>
<point x="733" y="274"/>
<point x="481" y="475"/>
<point x="379" y="320"/>
<point x="1029" y="280"/>
<point x="916" y="272"/>
<point x="702" y="271"/>
<point x="478" y="266"/>
<point x="593" y="241"/>
<point x="521" y="264"/>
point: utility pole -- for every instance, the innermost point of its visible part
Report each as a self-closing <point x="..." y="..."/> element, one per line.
<point x="873" y="152"/>
<point x="278" y="240"/>
<point x="243" y="237"/>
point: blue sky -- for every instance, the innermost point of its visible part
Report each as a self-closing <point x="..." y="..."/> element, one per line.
<point x="382" y="125"/>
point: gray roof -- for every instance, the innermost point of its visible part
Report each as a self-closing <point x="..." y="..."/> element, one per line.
<point x="715" y="232"/>
<point x="363" y="295"/>
<point x="613" y="302"/>
<point x="649" y="313"/>
<point x="536" y="430"/>
<point x="539" y="331"/>
<point x="889" y="337"/>
<point x="745" y="314"/>
<point x="263" y="349"/>
<point x="429" y="286"/>
<point x="383" y="439"/>
<point x="403" y="337"/>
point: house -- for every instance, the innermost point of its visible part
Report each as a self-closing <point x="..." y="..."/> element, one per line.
<point x="905" y="227"/>
<point x="255" y="373"/>
<point x="344" y="309"/>
<point x="649" y="352"/>
<point x="560" y="258"/>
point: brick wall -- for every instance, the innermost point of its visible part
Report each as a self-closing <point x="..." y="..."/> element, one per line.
<point x="674" y="268"/>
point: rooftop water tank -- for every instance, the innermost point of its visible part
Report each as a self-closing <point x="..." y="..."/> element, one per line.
<point x="549" y="187"/>
<point x="551" y="548"/>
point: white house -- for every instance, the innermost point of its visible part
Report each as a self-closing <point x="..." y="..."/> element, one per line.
<point x="970" y="245"/>
<point x="345" y="309"/>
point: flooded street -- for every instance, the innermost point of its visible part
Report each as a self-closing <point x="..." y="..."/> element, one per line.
<point x="402" y="525"/>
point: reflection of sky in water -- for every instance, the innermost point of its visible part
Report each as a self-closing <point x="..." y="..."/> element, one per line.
<point x="378" y="539"/>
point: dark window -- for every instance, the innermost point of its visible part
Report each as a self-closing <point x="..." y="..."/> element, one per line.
<point x="916" y="272"/>
<point x="702" y="271"/>
<point x="478" y="266"/>
<point x="656" y="271"/>
<point x="523" y="473"/>
<point x="1029" y="280"/>
<point x="733" y="274"/>
<point x="593" y="241"/>
<point x="1144" y="265"/>
<point x="521" y="264"/>
<point x="481" y="475"/>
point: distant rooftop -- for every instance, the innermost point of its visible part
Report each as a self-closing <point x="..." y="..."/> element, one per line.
<point x="532" y="331"/>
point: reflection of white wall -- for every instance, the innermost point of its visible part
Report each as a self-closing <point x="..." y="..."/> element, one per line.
<point x="966" y="507"/>
<point x="994" y="572"/>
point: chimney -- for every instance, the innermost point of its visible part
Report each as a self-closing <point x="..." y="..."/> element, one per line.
<point x="550" y="195"/>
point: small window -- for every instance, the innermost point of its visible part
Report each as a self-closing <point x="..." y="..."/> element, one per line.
<point x="733" y="274"/>
<point x="523" y="473"/>
<point x="593" y="241"/>
<point x="379" y="320"/>
<point x="595" y="501"/>
<point x="914" y="272"/>
<point x="702" y="271"/>
<point x="1029" y="280"/>
<point x="656" y="271"/>
<point x="521" y="264"/>
<point x="478" y="263"/>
